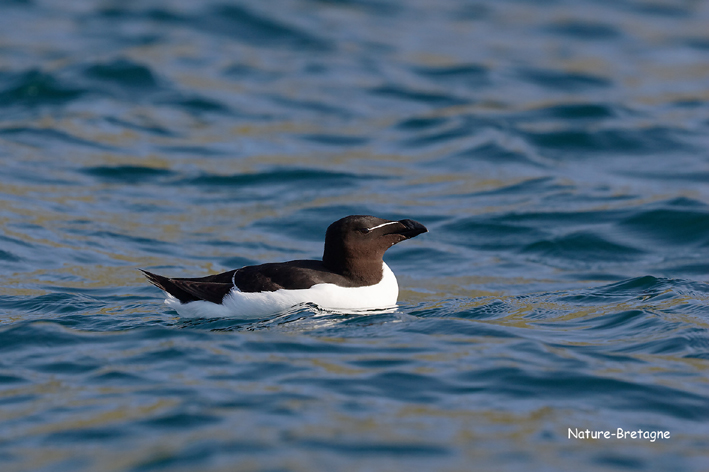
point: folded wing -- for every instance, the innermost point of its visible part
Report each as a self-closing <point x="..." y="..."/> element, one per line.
<point x="212" y="288"/>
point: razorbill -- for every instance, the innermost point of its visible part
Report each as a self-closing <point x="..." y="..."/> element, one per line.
<point x="351" y="276"/>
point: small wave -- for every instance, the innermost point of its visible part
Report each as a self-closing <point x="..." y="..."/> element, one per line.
<point x="676" y="226"/>
<point x="8" y="256"/>
<point x="35" y="88"/>
<point x="637" y="287"/>
<point x="336" y="140"/>
<point x="420" y="96"/>
<point x="609" y="141"/>
<point x="130" y="77"/>
<point x="278" y="177"/>
<point x="564" y="81"/>
<point x="482" y="233"/>
<point x="126" y="174"/>
<point x="468" y="75"/>
<point x="599" y="391"/>
<point x="584" y="30"/>
<point x="195" y="104"/>
<point x="421" y="123"/>
<point x="48" y="137"/>
<point x="493" y="152"/>
<point x="576" y="111"/>
<point x="52" y="303"/>
<point x="256" y="29"/>
<point x="583" y="246"/>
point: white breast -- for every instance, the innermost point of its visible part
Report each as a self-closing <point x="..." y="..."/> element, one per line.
<point x="239" y="304"/>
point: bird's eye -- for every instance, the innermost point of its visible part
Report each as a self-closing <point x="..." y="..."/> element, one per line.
<point x="364" y="230"/>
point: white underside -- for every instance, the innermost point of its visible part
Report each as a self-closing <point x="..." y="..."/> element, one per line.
<point x="239" y="304"/>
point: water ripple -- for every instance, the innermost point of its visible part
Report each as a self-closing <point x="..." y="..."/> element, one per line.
<point x="556" y="151"/>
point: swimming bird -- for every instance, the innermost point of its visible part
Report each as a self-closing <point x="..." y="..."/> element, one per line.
<point x="351" y="276"/>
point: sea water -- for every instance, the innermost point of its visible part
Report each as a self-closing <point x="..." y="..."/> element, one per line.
<point x="558" y="152"/>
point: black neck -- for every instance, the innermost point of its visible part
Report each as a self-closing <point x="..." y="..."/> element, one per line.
<point x="367" y="271"/>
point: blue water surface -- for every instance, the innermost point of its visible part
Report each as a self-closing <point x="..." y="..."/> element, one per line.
<point x="558" y="152"/>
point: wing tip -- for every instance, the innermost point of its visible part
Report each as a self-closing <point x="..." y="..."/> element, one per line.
<point x="186" y="290"/>
<point x="154" y="279"/>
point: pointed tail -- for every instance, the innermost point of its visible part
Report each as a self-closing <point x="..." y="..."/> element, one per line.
<point x="190" y="290"/>
<point x="168" y="285"/>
